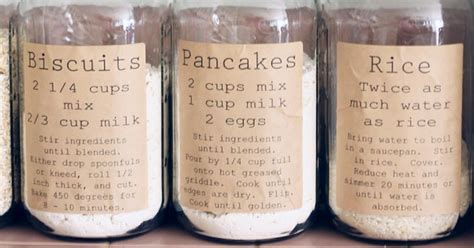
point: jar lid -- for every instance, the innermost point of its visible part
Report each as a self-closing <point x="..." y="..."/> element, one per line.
<point x="390" y="4"/>
<point x="270" y="4"/>
<point x="26" y="5"/>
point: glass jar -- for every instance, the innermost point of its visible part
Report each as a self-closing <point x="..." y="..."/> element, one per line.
<point x="399" y="95"/>
<point x="244" y="118"/>
<point x="8" y="9"/>
<point x="93" y="110"/>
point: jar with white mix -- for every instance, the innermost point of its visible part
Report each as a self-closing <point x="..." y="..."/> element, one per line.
<point x="244" y="118"/>
<point x="399" y="89"/>
<point x="93" y="106"/>
<point x="8" y="10"/>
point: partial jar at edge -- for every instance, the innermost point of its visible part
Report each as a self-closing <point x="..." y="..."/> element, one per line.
<point x="399" y="97"/>
<point x="8" y="164"/>
<point x="93" y="107"/>
<point x="244" y="118"/>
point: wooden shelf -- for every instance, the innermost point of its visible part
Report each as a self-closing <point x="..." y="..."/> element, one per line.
<point x="170" y="235"/>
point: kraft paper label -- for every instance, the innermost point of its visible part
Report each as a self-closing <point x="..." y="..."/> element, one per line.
<point x="240" y="127"/>
<point x="399" y="129"/>
<point x="84" y="128"/>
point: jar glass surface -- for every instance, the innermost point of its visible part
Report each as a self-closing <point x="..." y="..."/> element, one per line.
<point x="395" y="182"/>
<point x="221" y="191"/>
<point x="8" y="9"/>
<point x="103" y="64"/>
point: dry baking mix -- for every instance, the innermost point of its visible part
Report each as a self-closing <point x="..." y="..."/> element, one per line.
<point x="93" y="115"/>
<point x="245" y="118"/>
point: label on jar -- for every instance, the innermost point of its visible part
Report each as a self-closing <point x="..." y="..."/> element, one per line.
<point x="240" y="127"/>
<point x="399" y="129"/>
<point x="84" y="128"/>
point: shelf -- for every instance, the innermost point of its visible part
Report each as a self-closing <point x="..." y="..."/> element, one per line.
<point x="171" y="236"/>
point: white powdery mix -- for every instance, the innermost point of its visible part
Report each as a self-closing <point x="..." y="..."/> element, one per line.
<point x="6" y="186"/>
<point x="258" y="226"/>
<point x="404" y="227"/>
<point x="110" y="225"/>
